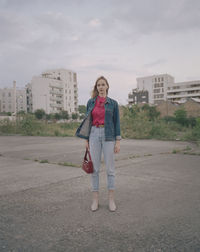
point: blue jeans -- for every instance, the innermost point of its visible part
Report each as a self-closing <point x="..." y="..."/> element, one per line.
<point x="98" y="144"/>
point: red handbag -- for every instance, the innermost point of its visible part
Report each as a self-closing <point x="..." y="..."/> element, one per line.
<point x="87" y="165"/>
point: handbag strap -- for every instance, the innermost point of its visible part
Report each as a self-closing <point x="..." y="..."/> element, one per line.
<point x="87" y="152"/>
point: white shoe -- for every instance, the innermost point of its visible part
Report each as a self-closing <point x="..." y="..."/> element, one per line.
<point x="95" y="201"/>
<point x="94" y="206"/>
<point x="112" y="206"/>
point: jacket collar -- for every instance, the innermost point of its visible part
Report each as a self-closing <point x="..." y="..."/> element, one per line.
<point x="108" y="100"/>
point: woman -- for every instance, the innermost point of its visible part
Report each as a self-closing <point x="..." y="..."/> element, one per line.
<point x="101" y="129"/>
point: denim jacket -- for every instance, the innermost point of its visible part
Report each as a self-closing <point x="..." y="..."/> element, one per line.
<point x="111" y="122"/>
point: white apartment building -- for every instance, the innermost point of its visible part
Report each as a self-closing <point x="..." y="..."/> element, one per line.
<point x="180" y="92"/>
<point x="156" y="85"/>
<point x="54" y="91"/>
<point x="12" y="99"/>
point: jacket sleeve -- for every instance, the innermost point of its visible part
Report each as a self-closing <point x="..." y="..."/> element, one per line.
<point x="117" y="122"/>
<point x="88" y="104"/>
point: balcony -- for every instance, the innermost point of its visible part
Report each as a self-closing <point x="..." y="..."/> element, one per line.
<point x="56" y="98"/>
<point x="184" y="95"/>
<point x="130" y="100"/>
<point x="54" y="86"/>
<point x="183" y="89"/>
<point x="55" y="92"/>
<point x="55" y="105"/>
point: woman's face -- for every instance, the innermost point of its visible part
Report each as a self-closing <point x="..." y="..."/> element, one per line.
<point x="102" y="87"/>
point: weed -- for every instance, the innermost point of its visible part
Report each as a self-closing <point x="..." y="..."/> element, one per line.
<point x="68" y="164"/>
<point x="44" y="161"/>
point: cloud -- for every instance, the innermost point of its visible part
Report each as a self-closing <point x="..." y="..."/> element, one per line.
<point x="155" y="63"/>
<point x="94" y="22"/>
<point x="132" y="19"/>
<point x="119" y="39"/>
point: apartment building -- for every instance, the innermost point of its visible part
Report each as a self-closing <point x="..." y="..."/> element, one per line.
<point x="181" y="91"/>
<point x="12" y="99"/>
<point x="156" y="86"/>
<point x="54" y="91"/>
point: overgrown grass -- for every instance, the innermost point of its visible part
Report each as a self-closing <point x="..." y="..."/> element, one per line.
<point x="136" y="123"/>
<point x="28" y="125"/>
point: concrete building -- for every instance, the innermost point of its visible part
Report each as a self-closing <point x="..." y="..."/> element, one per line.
<point x="137" y="96"/>
<point x="180" y="92"/>
<point x="54" y="91"/>
<point x="156" y="86"/>
<point x="12" y="99"/>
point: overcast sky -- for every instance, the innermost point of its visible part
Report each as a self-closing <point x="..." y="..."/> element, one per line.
<point x="121" y="40"/>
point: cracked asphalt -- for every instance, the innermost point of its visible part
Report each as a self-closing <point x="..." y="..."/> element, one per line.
<point x="46" y="206"/>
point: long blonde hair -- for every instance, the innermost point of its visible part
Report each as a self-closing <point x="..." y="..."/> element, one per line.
<point x="95" y="91"/>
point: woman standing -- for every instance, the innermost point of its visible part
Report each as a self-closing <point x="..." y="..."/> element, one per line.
<point x="101" y="129"/>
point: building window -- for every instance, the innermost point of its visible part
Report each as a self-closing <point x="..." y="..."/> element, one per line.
<point x="156" y="90"/>
<point x="74" y="77"/>
<point x="155" y="79"/>
<point x="9" y="94"/>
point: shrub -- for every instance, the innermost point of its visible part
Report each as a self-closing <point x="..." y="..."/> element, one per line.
<point x="181" y="116"/>
<point x="27" y="125"/>
<point x="39" y="114"/>
<point x="161" y="130"/>
<point x="74" y="116"/>
<point x="151" y="112"/>
<point x="7" y="127"/>
<point x="191" y="121"/>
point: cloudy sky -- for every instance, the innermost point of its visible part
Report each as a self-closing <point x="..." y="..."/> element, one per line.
<point x="121" y="40"/>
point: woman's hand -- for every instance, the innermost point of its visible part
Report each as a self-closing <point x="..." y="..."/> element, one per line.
<point x="87" y="144"/>
<point x="117" y="146"/>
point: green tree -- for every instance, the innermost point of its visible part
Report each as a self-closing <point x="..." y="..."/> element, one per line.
<point x="181" y="116"/>
<point x="57" y="116"/>
<point x="64" y="114"/>
<point x="49" y="116"/>
<point x="21" y="112"/>
<point x="151" y="111"/>
<point x="82" y="109"/>
<point x="39" y="114"/>
<point x="74" y="116"/>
